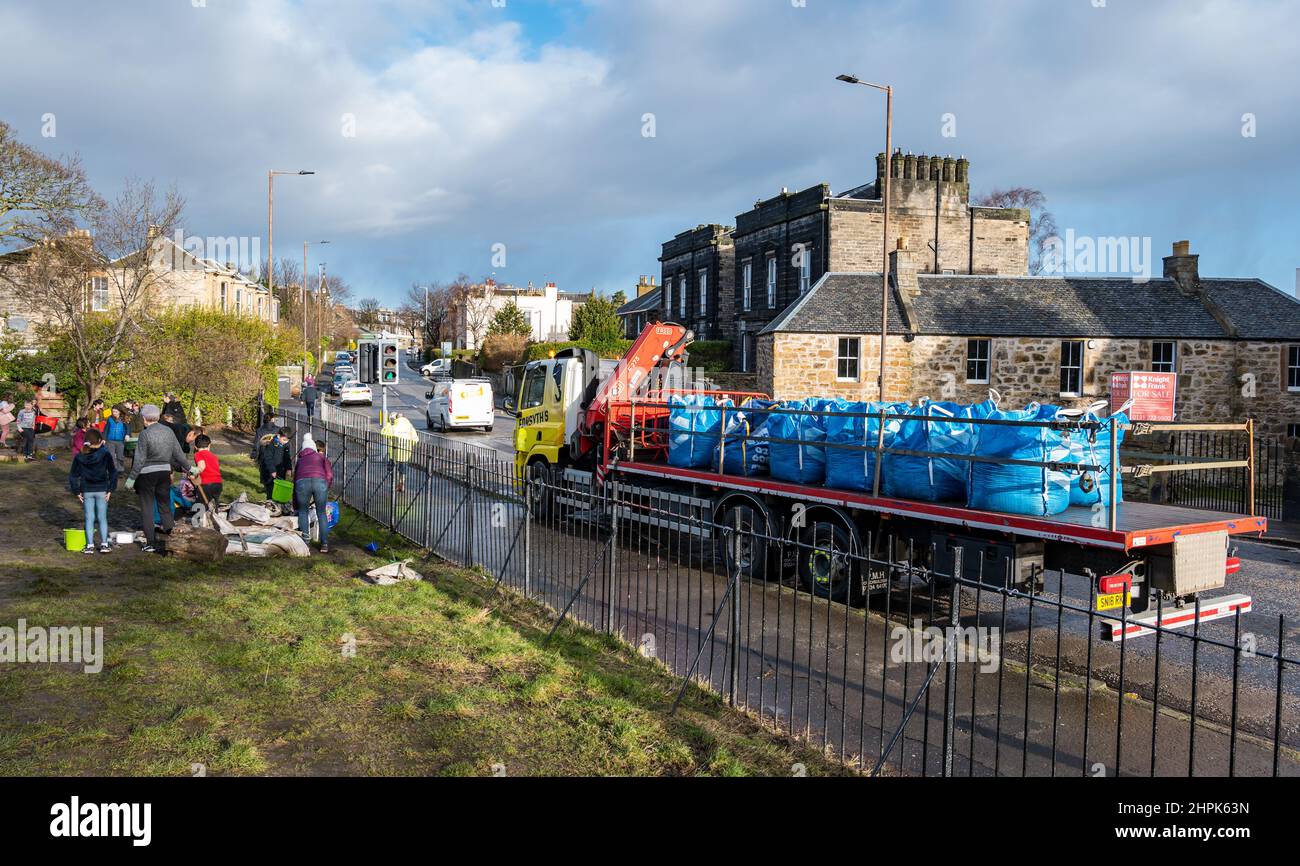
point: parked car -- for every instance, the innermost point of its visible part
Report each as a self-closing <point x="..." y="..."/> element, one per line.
<point x="456" y="404"/>
<point x="437" y="367"/>
<point x="355" y="392"/>
<point x="336" y="384"/>
<point x="342" y="358"/>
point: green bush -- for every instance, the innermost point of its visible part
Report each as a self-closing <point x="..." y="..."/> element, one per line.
<point x="712" y="356"/>
<point x="611" y="349"/>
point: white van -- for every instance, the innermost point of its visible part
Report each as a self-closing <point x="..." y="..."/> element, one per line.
<point x="455" y="404"/>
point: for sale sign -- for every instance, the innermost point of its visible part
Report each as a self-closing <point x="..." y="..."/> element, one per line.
<point x="1153" y="394"/>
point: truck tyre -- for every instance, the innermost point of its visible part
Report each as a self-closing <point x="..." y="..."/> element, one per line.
<point x="539" y="490"/>
<point x="744" y="540"/>
<point x="826" y="564"/>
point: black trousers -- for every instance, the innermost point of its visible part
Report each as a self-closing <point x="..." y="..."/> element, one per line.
<point x="155" y="488"/>
<point x="213" y="492"/>
<point x="29" y="441"/>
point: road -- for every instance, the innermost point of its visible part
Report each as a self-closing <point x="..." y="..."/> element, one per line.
<point x="408" y="398"/>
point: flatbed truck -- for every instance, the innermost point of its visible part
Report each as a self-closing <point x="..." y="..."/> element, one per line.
<point x="581" y="428"/>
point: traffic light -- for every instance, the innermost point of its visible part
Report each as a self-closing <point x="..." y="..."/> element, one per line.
<point x="389" y="362"/>
<point x="368" y="362"/>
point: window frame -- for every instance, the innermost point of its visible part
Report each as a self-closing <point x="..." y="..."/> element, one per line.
<point x="841" y="358"/>
<point x="986" y="360"/>
<point x="1063" y="367"/>
<point x="805" y="270"/>
<point x="1292" y="361"/>
<point x="681" y="288"/>
<point x="96" y="291"/>
<point x="747" y="284"/>
<point x="702" y="281"/>
<point x="1293" y="430"/>
<point x="771" y="280"/>
<point x="1169" y="366"/>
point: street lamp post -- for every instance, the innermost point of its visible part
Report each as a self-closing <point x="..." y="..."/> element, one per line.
<point x="884" y="255"/>
<point x="270" y="226"/>
<point x="303" y="304"/>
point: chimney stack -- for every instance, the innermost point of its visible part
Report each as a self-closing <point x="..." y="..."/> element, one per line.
<point x="1182" y="267"/>
<point x="902" y="267"/>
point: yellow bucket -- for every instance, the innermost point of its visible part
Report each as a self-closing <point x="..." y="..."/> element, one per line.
<point x="74" y="540"/>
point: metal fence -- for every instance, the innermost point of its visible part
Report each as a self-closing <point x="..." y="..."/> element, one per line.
<point x="1226" y="489"/>
<point x="936" y="676"/>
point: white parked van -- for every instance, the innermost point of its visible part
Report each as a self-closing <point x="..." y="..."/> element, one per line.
<point x="459" y="403"/>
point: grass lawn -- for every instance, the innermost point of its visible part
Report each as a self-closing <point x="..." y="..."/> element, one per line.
<point x="240" y="667"/>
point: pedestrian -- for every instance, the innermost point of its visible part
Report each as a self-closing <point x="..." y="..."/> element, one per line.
<point x="115" y="437"/>
<point x="312" y="477"/>
<point x="6" y="418"/>
<point x="173" y="407"/>
<point x="209" y="468"/>
<point x="275" y="460"/>
<point x="269" y="429"/>
<point x="156" y="455"/>
<point x="27" y="429"/>
<point x="401" y="436"/>
<point x="97" y="415"/>
<point x="93" y="479"/>
<point x="309" y="396"/>
<point x="79" y="435"/>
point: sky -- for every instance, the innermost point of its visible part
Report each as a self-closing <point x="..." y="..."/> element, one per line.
<point x="566" y="140"/>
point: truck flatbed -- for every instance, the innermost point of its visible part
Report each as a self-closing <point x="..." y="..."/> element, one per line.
<point x="1137" y="524"/>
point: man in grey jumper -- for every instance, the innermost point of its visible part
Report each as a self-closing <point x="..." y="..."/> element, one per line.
<point x="156" y="454"/>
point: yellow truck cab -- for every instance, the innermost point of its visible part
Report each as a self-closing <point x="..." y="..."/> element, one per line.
<point x="548" y="404"/>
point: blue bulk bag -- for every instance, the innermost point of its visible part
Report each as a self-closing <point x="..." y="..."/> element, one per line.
<point x="1096" y="452"/>
<point x="803" y="459"/>
<point x="743" y="449"/>
<point x="928" y="479"/>
<point x="1032" y="490"/>
<point x="855" y="468"/>
<point x="694" y="428"/>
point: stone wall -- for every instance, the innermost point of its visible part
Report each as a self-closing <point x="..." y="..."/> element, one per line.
<point x="1023" y="369"/>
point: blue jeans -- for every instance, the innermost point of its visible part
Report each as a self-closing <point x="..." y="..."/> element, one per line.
<point x="311" y="408"/>
<point x="304" y="491"/>
<point x="96" y="508"/>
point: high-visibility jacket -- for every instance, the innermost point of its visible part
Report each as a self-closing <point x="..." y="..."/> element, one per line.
<point x="401" y="438"/>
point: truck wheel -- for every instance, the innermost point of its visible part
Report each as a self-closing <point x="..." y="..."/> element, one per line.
<point x="744" y="540"/>
<point x="539" y="491"/>
<point x="825" y="562"/>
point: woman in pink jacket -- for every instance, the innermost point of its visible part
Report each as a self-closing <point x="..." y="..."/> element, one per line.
<point x="312" y="476"/>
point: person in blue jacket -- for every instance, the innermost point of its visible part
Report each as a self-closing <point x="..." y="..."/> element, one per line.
<point x="115" y="438"/>
<point x="93" y="479"/>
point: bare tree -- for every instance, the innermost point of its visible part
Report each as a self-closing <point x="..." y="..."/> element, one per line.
<point x="94" y="287"/>
<point x="474" y="308"/>
<point x="367" y="314"/>
<point x="40" y="197"/>
<point x="1042" y="224"/>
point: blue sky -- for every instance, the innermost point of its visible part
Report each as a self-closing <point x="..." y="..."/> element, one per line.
<point x="477" y="126"/>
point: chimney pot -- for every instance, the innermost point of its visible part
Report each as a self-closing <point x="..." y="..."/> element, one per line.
<point x="1182" y="248"/>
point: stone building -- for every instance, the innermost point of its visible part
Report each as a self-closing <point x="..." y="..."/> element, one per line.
<point x="783" y="245"/>
<point x="180" y="279"/>
<point x="1234" y="343"/>
<point x="646" y="308"/>
<point x="699" y="281"/>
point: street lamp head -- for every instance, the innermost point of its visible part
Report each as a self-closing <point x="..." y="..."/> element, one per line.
<point x="848" y="79"/>
<point x="306" y="172"/>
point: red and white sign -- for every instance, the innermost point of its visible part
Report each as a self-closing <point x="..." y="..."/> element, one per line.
<point x="1154" y="395"/>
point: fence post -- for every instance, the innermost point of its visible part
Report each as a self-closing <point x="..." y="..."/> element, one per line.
<point x="611" y="493"/>
<point x="950" y="675"/>
<point x="365" y="474"/>
<point x="392" y="488"/>
<point x="528" y="527"/>
<point x="469" y="509"/>
<point x="428" y="500"/>
<point x="343" y="487"/>
<point x="733" y="641"/>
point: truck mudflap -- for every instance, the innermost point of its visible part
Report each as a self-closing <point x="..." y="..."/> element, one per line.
<point x="1139" y="624"/>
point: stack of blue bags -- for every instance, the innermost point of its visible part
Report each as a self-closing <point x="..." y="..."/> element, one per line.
<point x="796" y="441"/>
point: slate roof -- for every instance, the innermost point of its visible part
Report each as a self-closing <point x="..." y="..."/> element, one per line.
<point x="648" y="301"/>
<point x="991" y="306"/>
